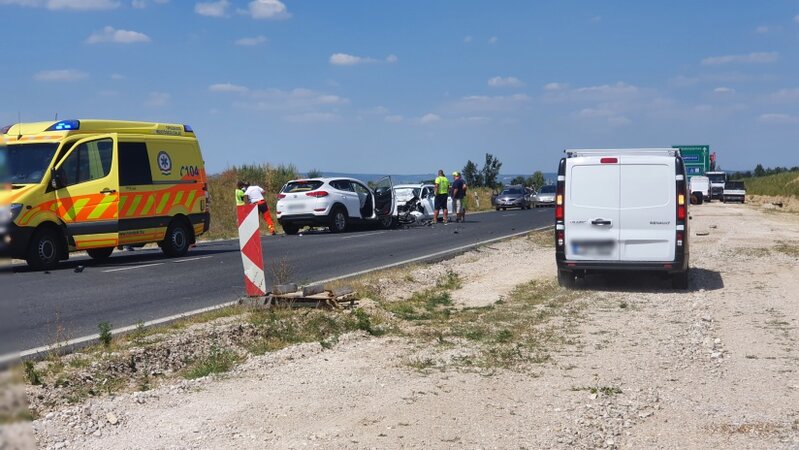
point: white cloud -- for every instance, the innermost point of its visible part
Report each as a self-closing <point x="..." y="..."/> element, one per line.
<point x="605" y="113"/>
<point x="595" y="19"/>
<point x="555" y="86"/>
<point x="723" y="90"/>
<point x="474" y="119"/>
<point x="212" y="9"/>
<point x="762" y="29"/>
<point x="345" y="59"/>
<point x="796" y="18"/>
<point x="749" y="58"/>
<point x="391" y="59"/>
<point x="117" y="76"/>
<point x="138" y="4"/>
<point x="429" y="118"/>
<point x="778" y="119"/>
<point x="493" y="40"/>
<point x="227" y="87"/>
<point x="618" y="121"/>
<point x="268" y="9"/>
<point x="505" y="82"/>
<point x="394" y="118"/>
<point x="112" y="35"/>
<point x="61" y="75"/>
<point x="294" y="100"/>
<point x="251" y="41"/>
<point x="157" y="99"/>
<point x="467" y="39"/>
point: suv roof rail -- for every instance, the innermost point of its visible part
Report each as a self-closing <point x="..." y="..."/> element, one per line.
<point x="571" y="153"/>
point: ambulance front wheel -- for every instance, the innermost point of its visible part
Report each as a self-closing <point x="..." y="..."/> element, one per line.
<point x="177" y="240"/>
<point x="45" y="249"/>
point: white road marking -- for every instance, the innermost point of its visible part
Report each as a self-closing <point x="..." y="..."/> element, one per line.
<point x="39" y="350"/>
<point x="192" y="259"/>
<point x="363" y="235"/>
<point x="508" y="215"/>
<point x="120" y="269"/>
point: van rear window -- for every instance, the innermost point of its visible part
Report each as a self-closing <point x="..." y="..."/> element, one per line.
<point x="301" y="186"/>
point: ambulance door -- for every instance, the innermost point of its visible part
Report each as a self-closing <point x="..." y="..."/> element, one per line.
<point x="86" y="187"/>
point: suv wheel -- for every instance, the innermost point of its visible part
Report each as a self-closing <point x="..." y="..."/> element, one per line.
<point x="45" y="249"/>
<point x="387" y="222"/>
<point x="290" y="229"/>
<point x="338" y="220"/>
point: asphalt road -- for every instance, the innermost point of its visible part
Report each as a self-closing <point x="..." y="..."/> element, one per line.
<point x="41" y="308"/>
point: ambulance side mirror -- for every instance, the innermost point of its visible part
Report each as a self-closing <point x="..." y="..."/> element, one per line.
<point x="56" y="179"/>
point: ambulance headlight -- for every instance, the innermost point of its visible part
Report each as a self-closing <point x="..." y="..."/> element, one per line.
<point x="9" y="212"/>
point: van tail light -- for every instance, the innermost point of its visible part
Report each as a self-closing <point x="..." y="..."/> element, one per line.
<point x="681" y="212"/>
<point x="279" y="196"/>
<point x="559" y="211"/>
<point x="317" y="194"/>
<point x="680" y="238"/>
<point x="561" y="238"/>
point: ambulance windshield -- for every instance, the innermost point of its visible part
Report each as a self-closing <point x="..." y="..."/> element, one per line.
<point x="25" y="164"/>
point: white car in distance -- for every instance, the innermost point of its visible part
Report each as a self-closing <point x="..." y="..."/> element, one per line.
<point x="335" y="203"/>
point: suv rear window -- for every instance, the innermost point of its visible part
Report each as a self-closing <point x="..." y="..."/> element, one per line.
<point x="301" y="186"/>
<point x="734" y="185"/>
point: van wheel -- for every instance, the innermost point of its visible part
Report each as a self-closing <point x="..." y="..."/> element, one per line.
<point x="338" y="220"/>
<point x="176" y="241"/>
<point x="680" y="280"/>
<point x="100" y="253"/>
<point x="566" y="279"/>
<point x="291" y="229"/>
<point x="45" y="249"/>
<point x="700" y="198"/>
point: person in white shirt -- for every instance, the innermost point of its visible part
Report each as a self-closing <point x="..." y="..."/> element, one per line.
<point x="255" y="195"/>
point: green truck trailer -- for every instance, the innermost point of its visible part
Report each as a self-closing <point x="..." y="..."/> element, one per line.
<point x="696" y="158"/>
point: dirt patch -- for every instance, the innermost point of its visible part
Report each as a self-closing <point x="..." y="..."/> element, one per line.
<point x="624" y="362"/>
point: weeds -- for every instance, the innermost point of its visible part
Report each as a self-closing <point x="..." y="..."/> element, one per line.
<point x="218" y="360"/>
<point x="31" y="375"/>
<point x="788" y="248"/>
<point x="105" y="333"/>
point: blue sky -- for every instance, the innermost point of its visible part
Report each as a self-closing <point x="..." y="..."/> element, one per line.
<point x="413" y="86"/>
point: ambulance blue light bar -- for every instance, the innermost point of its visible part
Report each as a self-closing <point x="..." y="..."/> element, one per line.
<point x="188" y="128"/>
<point x="65" y="125"/>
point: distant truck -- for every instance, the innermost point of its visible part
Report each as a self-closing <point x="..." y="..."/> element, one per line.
<point x="717" y="181"/>
<point x="699" y="187"/>
<point x="734" y="191"/>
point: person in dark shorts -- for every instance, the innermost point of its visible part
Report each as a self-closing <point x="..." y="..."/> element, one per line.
<point x="458" y="197"/>
<point x="442" y="192"/>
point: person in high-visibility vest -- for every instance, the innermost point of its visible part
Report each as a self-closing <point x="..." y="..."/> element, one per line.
<point x="255" y="194"/>
<point x="240" y="186"/>
<point x="442" y="193"/>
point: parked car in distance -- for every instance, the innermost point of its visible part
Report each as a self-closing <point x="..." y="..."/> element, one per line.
<point x="545" y="196"/>
<point x="699" y="187"/>
<point x="425" y="192"/>
<point x="335" y="203"/>
<point x="734" y="191"/>
<point x="513" y="197"/>
<point x="622" y="210"/>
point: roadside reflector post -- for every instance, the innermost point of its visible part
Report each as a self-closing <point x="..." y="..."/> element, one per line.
<point x="251" y="254"/>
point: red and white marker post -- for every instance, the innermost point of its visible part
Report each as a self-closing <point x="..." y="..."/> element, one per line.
<point x="251" y="254"/>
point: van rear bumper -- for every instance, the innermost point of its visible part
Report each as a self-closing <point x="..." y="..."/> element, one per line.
<point x="679" y="265"/>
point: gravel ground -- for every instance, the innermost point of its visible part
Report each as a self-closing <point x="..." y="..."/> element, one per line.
<point x="648" y="367"/>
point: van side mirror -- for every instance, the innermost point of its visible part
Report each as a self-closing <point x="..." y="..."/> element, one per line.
<point x="56" y="179"/>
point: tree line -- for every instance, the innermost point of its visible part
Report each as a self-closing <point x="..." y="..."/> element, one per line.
<point x="760" y="171"/>
<point x="487" y="176"/>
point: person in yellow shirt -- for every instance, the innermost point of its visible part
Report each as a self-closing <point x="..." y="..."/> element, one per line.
<point x="442" y="192"/>
<point x="240" y="186"/>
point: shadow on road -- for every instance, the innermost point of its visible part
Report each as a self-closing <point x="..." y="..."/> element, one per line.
<point x="650" y="282"/>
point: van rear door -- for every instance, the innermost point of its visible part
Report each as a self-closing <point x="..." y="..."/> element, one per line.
<point x="592" y="208"/>
<point x="648" y="208"/>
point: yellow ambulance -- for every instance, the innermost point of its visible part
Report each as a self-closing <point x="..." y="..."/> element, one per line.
<point x="97" y="185"/>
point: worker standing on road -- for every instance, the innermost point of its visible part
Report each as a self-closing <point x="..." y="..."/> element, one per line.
<point x="255" y="194"/>
<point x="458" y="197"/>
<point x="442" y="192"/>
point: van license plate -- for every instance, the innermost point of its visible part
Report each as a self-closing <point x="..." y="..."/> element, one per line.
<point x="593" y="248"/>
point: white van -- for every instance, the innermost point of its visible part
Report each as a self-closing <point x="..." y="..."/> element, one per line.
<point x="622" y="210"/>
<point x="699" y="187"/>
